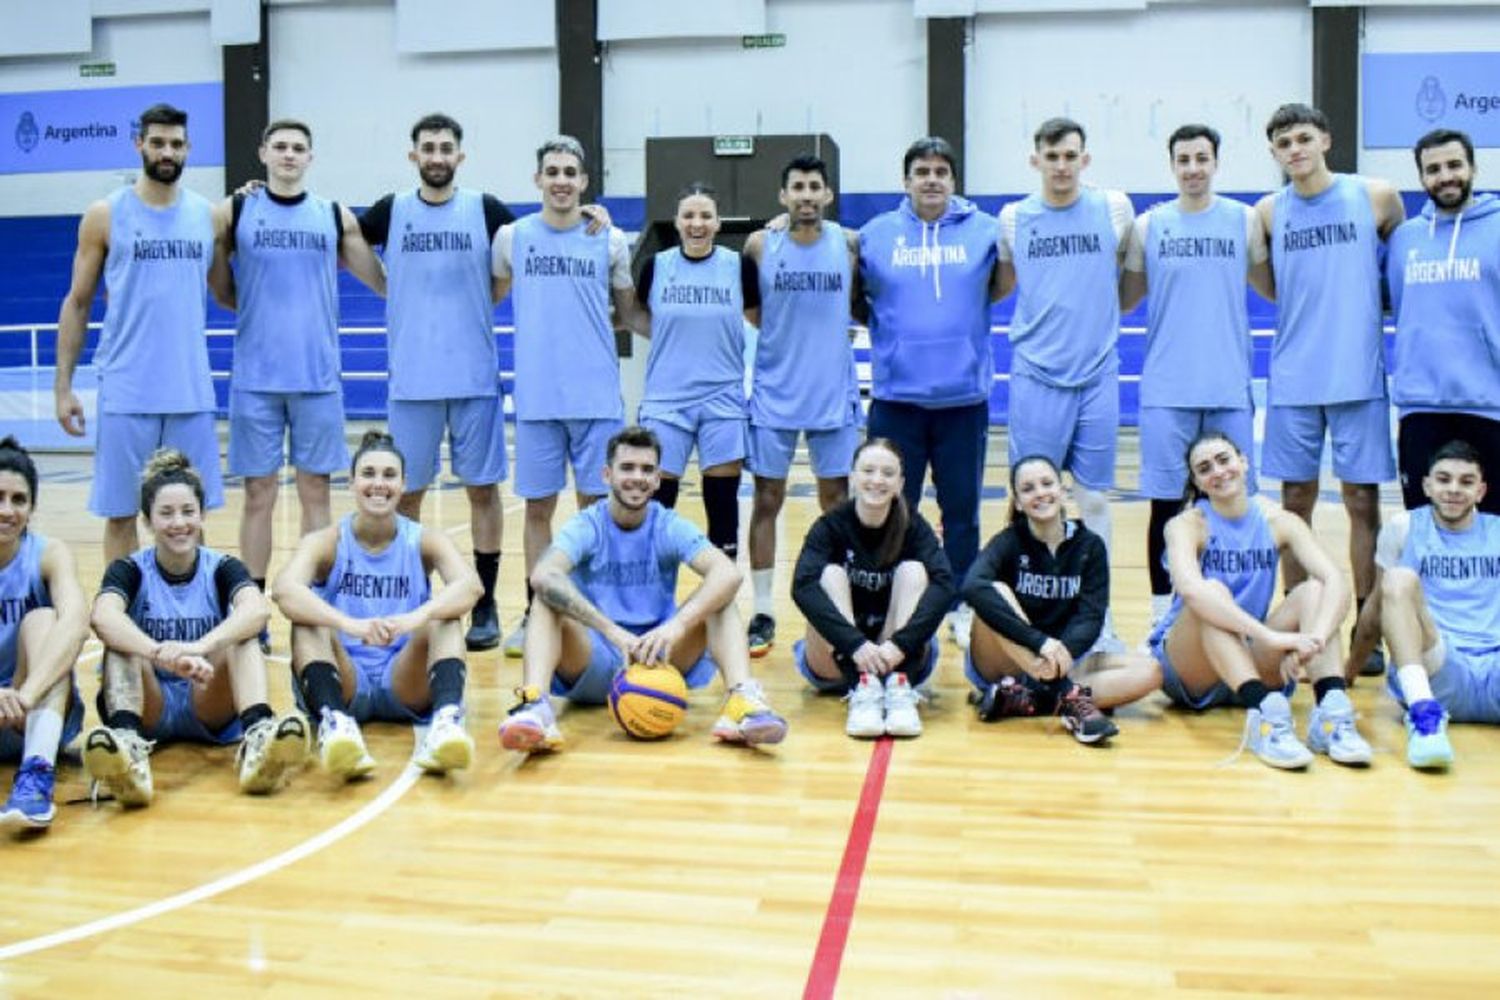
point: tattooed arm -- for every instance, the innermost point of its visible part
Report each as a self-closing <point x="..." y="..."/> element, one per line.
<point x="553" y="583"/>
<point x="123" y="688"/>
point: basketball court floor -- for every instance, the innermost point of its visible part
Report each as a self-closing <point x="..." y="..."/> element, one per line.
<point x="980" y="860"/>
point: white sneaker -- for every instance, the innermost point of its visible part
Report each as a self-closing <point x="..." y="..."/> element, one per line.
<point x="866" y="708"/>
<point x="531" y="725"/>
<point x="448" y="745"/>
<point x="515" y="643"/>
<point x="341" y="746"/>
<point x="961" y="625"/>
<point x="270" y="749"/>
<point x="119" y="760"/>
<point x="901" y="718"/>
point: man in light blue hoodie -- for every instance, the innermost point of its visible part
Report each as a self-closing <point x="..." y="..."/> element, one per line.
<point x="928" y="277"/>
<point x="1444" y="275"/>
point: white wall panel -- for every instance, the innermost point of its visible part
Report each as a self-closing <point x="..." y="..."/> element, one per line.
<point x="855" y="69"/>
<point x="1130" y="78"/>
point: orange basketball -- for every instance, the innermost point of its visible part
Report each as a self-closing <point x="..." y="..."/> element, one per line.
<point x="648" y="702"/>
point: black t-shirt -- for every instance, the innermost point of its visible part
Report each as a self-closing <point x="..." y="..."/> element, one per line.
<point x="375" y="221"/>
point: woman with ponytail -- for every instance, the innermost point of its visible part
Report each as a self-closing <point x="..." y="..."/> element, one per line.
<point x="1040" y="590"/>
<point x="370" y="638"/>
<point x="874" y="584"/>
<point x="180" y="624"/>
<point x="43" y="621"/>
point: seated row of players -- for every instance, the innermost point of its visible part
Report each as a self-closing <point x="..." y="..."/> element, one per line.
<point x="372" y="641"/>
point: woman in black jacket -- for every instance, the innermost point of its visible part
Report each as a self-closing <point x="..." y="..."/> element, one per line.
<point x="874" y="585"/>
<point x="1039" y="591"/>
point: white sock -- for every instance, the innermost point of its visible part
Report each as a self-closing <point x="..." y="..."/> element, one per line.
<point x="1094" y="506"/>
<point x="1160" y="605"/>
<point x="43" y="734"/>
<point x="764" y="582"/>
<point x="1415" y="685"/>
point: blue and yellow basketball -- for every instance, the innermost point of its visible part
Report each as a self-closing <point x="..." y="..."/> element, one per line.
<point x="648" y="702"/>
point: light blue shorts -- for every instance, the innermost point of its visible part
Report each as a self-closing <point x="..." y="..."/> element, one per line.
<point x="719" y="439"/>
<point x="1213" y="697"/>
<point x="259" y="424"/>
<point x="832" y="451"/>
<point x="1467" y="684"/>
<point x="592" y="686"/>
<point x="1361" y="435"/>
<point x="179" y="722"/>
<point x="13" y="741"/>
<point x="824" y="685"/>
<point x="127" y="440"/>
<point x="374" y="699"/>
<point x="1075" y="427"/>
<point x="1166" y="432"/>
<point x="545" y="449"/>
<point x="476" y="439"/>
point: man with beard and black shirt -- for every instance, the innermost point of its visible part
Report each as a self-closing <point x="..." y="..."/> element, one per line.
<point x="152" y="242"/>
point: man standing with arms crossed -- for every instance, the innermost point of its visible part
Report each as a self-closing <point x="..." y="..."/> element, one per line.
<point x="804" y="379"/>
<point x="563" y="271"/>
<point x="927" y="270"/>
<point x="153" y="242"/>
<point x="1194" y="253"/>
<point x="1328" y="360"/>
<point x="276" y="264"/>
<point x="1062" y="250"/>
<point x="444" y="369"/>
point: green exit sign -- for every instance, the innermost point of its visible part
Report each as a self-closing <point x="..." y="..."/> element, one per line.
<point x="734" y="145"/>
<point x="96" y="69"/>
<point x="777" y="41"/>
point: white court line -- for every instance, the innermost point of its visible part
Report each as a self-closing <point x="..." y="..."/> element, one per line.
<point x="233" y="880"/>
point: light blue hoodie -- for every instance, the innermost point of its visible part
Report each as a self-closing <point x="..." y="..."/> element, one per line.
<point x="1444" y="274"/>
<point x="928" y="289"/>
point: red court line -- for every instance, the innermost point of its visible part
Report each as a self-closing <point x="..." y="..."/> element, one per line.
<point x="824" y="974"/>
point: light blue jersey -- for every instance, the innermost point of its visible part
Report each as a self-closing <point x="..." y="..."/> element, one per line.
<point x="1460" y="573"/>
<point x="22" y="591"/>
<point x="566" y="364"/>
<point x="928" y="289"/>
<point x="630" y="575"/>
<point x="697" y="332"/>
<point x="286" y="262"/>
<point x="1241" y="554"/>
<point x="365" y="584"/>
<point x="1325" y="252"/>
<point x="804" y="376"/>
<point x="1197" y="325"/>
<point x="438" y="305"/>
<point x="1067" y="318"/>
<point x="177" y="612"/>
<point x="1444" y="273"/>
<point x="152" y="356"/>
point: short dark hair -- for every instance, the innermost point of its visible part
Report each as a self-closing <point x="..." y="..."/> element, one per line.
<point x="1055" y="130"/>
<point x="375" y="439"/>
<point x="634" y="436"/>
<point x="1457" y="451"/>
<point x="807" y="163"/>
<point x="1288" y="115"/>
<point x="1441" y="137"/>
<point x="562" y="144"/>
<point x="285" y="123"/>
<point x="929" y="145"/>
<point x="437" y="122"/>
<point x="162" y="114"/>
<point x="14" y="458"/>
<point x="1187" y="133"/>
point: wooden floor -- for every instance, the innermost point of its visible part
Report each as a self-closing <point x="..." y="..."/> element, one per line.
<point x="1005" y="861"/>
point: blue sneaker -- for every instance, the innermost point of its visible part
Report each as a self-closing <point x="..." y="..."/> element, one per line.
<point x="1427" y="743"/>
<point x="1270" y="736"/>
<point x="30" y="804"/>
<point x="1330" y="730"/>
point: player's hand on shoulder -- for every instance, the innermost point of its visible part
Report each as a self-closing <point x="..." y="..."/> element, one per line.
<point x="250" y="187"/>
<point x="598" y="216"/>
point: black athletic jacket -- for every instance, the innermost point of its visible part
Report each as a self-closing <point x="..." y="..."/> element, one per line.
<point x="839" y="539"/>
<point x="1064" y="596"/>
